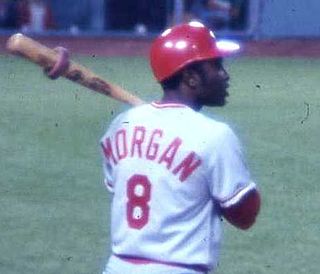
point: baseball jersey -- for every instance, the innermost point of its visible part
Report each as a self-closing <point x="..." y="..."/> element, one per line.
<point x="169" y="167"/>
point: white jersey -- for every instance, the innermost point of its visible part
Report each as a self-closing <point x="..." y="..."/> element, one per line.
<point x="168" y="167"/>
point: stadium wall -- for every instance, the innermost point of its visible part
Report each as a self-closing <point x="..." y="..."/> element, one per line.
<point x="293" y="18"/>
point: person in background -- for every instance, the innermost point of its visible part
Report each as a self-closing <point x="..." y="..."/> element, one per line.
<point x="140" y="17"/>
<point x="3" y="12"/>
<point x="150" y="15"/>
<point x="221" y="14"/>
<point x="34" y="16"/>
<point x="214" y="13"/>
<point x="238" y="14"/>
<point x="187" y="14"/>
<point x="8" y="14"/>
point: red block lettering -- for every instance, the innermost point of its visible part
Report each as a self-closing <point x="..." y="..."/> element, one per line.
<point x="121" y="144"/>
<point x="137" y="140"/>
<point x="169" y="154"/>
<point x="107" y="150"/>
<point x="153" y="146"/>
<point x="187" y="166"/>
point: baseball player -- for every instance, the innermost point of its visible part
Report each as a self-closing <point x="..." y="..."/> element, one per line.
<point x="175" y="173"/>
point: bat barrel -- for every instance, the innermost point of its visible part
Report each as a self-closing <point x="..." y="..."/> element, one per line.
<point x="18" y="44"/>
<point x="48" y="58"/>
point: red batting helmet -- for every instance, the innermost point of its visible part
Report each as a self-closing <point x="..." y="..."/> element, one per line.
<point x="181" y="45"/>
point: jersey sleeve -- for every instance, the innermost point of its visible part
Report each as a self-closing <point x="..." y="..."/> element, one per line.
<point x="230" y="177"/>
<point x="107" y="175"/>
<point x="106" y="166"/>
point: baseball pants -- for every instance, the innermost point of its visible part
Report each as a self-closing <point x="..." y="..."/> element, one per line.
<point x="116" y="265"/>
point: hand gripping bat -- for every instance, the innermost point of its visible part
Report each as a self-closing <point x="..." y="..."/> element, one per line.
<point x="55" y="63"/>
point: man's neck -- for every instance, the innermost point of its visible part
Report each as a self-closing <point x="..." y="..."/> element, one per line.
<point x="174" y="96"/>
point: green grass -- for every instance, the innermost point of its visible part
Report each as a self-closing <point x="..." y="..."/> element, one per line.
<point x="55" y="210"/>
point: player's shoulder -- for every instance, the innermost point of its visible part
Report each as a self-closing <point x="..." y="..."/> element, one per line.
<point x="215" y="129"/>
<point x="130" y="113"/>
<point x="134" y="112"/>
<point x="214" y="124"/>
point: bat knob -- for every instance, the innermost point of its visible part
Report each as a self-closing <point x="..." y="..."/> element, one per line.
<point x="61" y="64"/>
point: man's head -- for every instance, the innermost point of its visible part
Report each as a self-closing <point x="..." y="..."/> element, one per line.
<point x="202" y="83"/>
<point x="187" y="62"/>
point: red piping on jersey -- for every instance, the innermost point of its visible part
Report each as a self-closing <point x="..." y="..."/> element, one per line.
<point x="137" y="260"/>
<point x="167" y="105"/>
<point x="108" y="184"/>
<point x="240" y="193"/>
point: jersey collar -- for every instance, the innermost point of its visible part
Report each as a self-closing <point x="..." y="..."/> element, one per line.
<point x="158" y="104"/>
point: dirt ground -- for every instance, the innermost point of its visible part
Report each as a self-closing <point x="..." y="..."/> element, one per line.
<point x="140" y="47"/>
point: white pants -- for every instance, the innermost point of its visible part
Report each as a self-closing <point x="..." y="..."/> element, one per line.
<point x="119" y="266"/>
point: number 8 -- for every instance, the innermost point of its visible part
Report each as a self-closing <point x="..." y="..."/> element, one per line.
<point x="138" y="193"/>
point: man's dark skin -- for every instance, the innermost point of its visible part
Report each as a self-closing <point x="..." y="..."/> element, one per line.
<point x="205" y="86"/>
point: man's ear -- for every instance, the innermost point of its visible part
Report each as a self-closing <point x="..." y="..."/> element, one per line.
<point x="190" y="78"/>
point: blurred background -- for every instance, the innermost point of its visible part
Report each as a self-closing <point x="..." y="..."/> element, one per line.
<point x="256" y="19"/>
<point x="54" y="206"/>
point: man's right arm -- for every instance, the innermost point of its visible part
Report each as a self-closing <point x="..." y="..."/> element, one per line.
<point x="242" y="209"/>
<point x="233" y="189"/>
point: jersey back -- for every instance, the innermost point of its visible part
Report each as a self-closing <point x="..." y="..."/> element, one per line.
<point x="167" y="166"/>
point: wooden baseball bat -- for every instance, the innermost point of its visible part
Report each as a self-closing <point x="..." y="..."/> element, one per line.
<point x="21" y="45"/>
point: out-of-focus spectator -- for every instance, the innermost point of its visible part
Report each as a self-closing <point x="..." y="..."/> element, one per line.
<point x="8" y="14"/>
<point x="239" y="14"/>
<point x="73" y="15"/>
<point x="96" y="15"/>
<point x="34" y="16"/>
<point x="119" y="17"/>
<point x="221" y="14"/>
<point x="3" y="12"/>
<point x="140" y="16"/>
<point x="149" y="15"/>
<point x="187" y="14"/>
<point x="214" y="13"/>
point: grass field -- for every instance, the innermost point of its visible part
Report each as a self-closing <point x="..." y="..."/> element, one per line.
<point x="54" y="207"/>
